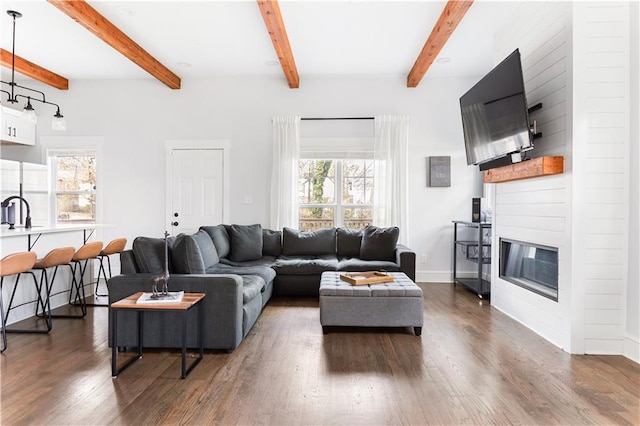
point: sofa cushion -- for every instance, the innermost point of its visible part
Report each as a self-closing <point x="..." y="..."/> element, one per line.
<point x="251" y="287"/>
<point x="271" y="242"/>
<point x="263" y="261"/>
<point x="207" y="249"/>
<point x="305" y="243"/>
<point x="354" y="264"/>
<point x="220" y="239"/>
<point x="149" y="254"/>
<point x="379" y="243"/>
<point x="186" y="255"/>
<point x="348" y="242"/>
<point x="264" y="272"/>
<point x="305" y="265"/>
<point x="246" y="242"/>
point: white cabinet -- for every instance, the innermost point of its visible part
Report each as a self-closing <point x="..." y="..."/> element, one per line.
<point x="16" y="129"/>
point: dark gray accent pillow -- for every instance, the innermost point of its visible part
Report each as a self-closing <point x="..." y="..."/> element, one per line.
<point x="271" y="242"/>
<point x="207" y="249"/>
<point x="220" y="238"/>
<point x="186" y="255"/>
<point x="348" y="242"/>
<point x="301" y="243"/>
<point x="149" y="254"/>
<point x="379" y="243"/>
<point x="246" y="242"/>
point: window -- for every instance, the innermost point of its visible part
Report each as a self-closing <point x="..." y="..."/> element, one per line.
<point x="74" y="180"/>
<point x="335" y="193"/>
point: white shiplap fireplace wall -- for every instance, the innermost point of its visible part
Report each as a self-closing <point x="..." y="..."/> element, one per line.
<point x="575" y="58"/>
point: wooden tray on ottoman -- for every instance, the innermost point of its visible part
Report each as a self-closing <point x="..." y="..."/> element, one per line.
<point x="369" y="277"/>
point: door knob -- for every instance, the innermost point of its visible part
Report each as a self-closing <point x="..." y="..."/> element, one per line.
<point x="175" y="214"/>
<point x="174" y="223"/>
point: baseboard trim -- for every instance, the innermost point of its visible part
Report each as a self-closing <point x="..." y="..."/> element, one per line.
<point x="631" y="348"/>
<point x="440" y="276"/>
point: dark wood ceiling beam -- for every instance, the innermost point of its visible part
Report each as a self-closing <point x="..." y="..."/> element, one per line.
<point x="81" y="12"/>
<point x="275" y="25"/>
<point x="449" y="19"/>
<point x="34" y="71"/>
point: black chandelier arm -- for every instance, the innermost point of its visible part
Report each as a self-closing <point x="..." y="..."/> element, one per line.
<point x="4" y="91"/>
<point x="15" y="97"/>
<point x="38" y="100"/>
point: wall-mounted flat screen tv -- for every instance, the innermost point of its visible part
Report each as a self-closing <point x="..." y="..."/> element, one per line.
<point x="495" y="118"/>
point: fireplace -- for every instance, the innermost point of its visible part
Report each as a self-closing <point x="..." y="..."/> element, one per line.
<point x="531" y="266"/>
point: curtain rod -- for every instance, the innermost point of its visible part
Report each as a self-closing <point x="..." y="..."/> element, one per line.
<point x="336" y="118"/>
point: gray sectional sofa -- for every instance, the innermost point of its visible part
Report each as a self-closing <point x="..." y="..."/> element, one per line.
<point x="239" y="268"/>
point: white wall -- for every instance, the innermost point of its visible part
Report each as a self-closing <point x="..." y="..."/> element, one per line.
<point x="632" y="337"/>
<point x="135" y="118"/>
<point x="578" y="54"/>
<point x="601" y="125"/>
<point x="539" y="210"/>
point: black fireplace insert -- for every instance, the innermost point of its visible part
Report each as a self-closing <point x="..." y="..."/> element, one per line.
<point x="531" y="266"/>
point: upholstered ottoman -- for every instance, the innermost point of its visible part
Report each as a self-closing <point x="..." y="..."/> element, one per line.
<point x="393" y="304"/>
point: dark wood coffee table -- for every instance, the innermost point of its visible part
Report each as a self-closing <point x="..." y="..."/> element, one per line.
<point x="182" y="308"/>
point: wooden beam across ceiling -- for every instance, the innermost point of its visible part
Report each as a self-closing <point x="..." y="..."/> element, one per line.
<point x="81" y="12"/>
<point x="449" y="19"/>
<point x="34" y="71"/>
<point x="275" y="25"/>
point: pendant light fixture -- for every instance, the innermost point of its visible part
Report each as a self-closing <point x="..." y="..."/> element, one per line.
<point x="13" y="94"/>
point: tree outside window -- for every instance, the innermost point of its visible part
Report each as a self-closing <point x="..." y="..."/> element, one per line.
<point x="335" y="193"/>
<point x="75" y="190"/>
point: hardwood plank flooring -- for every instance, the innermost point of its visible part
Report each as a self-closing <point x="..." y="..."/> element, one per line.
<point x="472" y="365"/>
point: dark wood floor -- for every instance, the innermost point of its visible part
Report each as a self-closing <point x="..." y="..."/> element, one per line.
<point x="473" y="365"/>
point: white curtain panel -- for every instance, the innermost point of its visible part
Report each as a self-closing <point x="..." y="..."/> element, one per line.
<point x="391" y="187"/>
<point x="284" y="172"/>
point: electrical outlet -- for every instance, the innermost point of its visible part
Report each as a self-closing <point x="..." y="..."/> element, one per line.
<point x="423" y="258"/>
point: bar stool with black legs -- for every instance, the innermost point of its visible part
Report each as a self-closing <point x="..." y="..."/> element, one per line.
<point x="54" y="259"/>
<point x="114" y="247"/>
<point x="18" y="264"/>
<point x="79" y="262"/>
<point x="13" y="264"/>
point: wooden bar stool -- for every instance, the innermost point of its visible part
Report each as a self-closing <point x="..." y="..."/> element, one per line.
<point x="18" y="264"/>
<point x="114" y="247"/>
<point x="79" y="262"/>
<point x="54" y="259"/>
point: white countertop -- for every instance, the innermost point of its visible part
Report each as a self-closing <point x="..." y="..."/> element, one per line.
<point x="49" y="229"/>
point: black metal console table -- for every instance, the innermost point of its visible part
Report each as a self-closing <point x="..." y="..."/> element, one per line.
<point x="475" y="250"/>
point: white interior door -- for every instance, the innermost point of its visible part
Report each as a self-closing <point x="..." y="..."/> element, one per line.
<point x="197" y="189"/>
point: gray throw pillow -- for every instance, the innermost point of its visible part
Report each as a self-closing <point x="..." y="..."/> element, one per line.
<point x="271" y="242"/>
<point x="299" y="243"/>
<point x="149" y="254"/>
<point x="379" y="243"/>
<point x="186" y="255"/>
<point x="220" y="238"/>
<point x="348" y="242"/>
<point x="246" y="242"/>
<point x="207" y="249"/>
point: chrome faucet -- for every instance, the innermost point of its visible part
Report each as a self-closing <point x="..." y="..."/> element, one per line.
<point x="27" y="221"/>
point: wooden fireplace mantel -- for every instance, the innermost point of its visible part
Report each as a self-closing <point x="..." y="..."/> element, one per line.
<point x="541" y="166"/>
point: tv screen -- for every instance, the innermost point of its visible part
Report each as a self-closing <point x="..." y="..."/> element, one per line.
<point x="495" y="117"/>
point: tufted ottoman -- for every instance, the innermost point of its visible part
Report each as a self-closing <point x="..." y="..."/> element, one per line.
<point x="393" y="304"/>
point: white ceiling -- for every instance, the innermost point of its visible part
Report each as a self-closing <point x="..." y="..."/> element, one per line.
<point x="229" y="37"/>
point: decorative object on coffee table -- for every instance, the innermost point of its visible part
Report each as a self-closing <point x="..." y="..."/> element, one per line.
<point x="163" y="278"/>
<point x="171" y="297"/>
<point x="369" y="277"/>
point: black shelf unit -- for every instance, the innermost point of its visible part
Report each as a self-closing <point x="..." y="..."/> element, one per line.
<point x="476" y="251"/>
